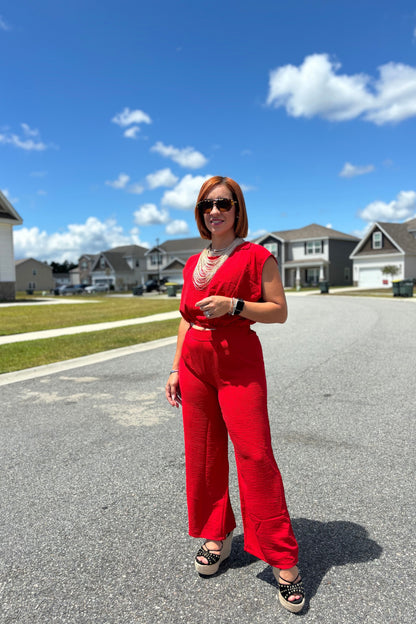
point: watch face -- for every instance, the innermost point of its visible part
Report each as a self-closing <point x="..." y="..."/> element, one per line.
<point x="239" y="306"/>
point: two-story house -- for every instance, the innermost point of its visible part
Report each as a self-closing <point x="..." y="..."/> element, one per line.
<point x="168" y="259"/>
<point x="8" y="218"/>
<point x="120" y="268"/>
<point x="312" y="254"/>
<point x="85" y="264"/>
<point x="385" y="244"/>
<point x="32" y="274"/>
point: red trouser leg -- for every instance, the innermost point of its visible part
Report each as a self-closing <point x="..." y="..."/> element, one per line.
<point x="206" y="454"/>
<point x="223" y="374"/>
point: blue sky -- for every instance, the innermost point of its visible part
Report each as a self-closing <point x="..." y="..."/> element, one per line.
<point x="113" y="113"/>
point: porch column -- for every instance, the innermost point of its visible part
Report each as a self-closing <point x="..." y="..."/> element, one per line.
<point x="297" y="278"/>
<point x="321" y="273"/>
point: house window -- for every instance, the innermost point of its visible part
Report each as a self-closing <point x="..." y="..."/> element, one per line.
<point x="102" y="263"/>
<point x="34" y="272"/>
<point x="84" y="265"/>
<point x="314" y="247"/>
<point x="137" y="263"/>
<point x="272" y="247"/>
<point x="377" y="240"/>
<point x="155" y="258"/>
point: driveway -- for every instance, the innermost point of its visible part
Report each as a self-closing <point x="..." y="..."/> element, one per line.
<point x="93" y="524"/>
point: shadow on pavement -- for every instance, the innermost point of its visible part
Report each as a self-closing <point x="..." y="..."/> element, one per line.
<point x="323" y="545"/>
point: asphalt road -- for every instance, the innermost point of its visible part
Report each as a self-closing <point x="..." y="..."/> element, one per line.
<point x="93" y="525"/>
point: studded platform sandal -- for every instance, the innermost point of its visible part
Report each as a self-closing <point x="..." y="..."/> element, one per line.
<point x="291" y="589"/>
<point x="215" y="556"/>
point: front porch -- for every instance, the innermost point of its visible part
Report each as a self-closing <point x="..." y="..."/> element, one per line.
<point x="302" y="273"/>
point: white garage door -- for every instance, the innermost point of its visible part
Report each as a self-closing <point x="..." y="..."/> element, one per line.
<point x="371" y="278"/>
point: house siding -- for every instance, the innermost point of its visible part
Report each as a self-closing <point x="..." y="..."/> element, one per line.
<point x="387" y="245"/>
<point x="26" y="278"/>
<point x="7" y="270"/>
<point x="339" y="252"/>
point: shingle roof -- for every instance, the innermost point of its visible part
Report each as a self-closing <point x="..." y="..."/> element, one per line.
<point x="116" y="260"/>
<point x="399" y="233"/>
<point x="313" y="231"/>
<point x="185" y="244"/>
<point x="22" y="260"/>
<point x="136" y="250"/>
<point x="7" y="211"/>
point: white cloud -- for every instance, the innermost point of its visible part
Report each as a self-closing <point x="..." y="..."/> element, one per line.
<point x="131" y="133"/>
<point x="148" y="214"/>
<point x="136" y="189"/>
<point x="315" y="89"/>
<point x="163" y="177"/>
<point x="120" y="183"/>
<point x="129" y="117"/>
<point x="403" y="207"/>
<point x="350" y="171"/>
<point x="329" y="225"/>
<point x="89" y="237"/>
<point x="177" y="226"/>
<point x="256" y="234"/>
<point x="185" y="157"/>
<point x="41" y="192"/>
<point x="28" y="131"/>
<point x="28" y="142"/>
<point x="185" y="193"/>
<point x="3" y="24"/>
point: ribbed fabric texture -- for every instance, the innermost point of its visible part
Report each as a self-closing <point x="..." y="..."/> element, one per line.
<point x="223" y="389"/>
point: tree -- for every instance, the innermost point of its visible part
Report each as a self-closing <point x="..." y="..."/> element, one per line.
<point x="64" y="267"/>
<point x="390" y="269"/>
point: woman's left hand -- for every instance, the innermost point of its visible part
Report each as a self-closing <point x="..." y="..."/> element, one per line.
<point x="215" y="306"/>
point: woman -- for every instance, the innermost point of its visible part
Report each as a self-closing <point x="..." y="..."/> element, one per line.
<point x="218" y="376"/>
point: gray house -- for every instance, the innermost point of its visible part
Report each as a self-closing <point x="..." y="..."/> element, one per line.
<point x="168" y="259"/>
<point x="120" y="268"/>
<point x="385" y="244"/>
<point x="312" y="254"/>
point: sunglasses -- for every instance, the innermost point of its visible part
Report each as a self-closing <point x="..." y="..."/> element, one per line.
<point x="224" y="204"/>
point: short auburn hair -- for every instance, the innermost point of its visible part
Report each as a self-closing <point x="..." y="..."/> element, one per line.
<point x="241" y="221"/>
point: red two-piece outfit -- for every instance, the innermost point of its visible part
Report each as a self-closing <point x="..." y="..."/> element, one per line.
<point x="223" y="387"/>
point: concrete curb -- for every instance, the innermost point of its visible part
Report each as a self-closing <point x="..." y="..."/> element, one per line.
<point x="86" y="360"/>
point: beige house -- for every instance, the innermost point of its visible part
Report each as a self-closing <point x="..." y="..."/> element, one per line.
<point x="33" y="275"/>
<point x="8" y="218"/>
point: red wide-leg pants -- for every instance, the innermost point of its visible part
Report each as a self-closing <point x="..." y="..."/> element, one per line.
<point x="223" y="389"/>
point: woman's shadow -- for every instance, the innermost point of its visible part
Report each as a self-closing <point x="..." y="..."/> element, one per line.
<point x="322" y="545"/>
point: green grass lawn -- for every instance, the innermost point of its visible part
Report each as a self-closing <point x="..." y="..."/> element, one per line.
<point x="17" y="356"/>
<point x="101" y="309"/>
<point x="373" y="292"/>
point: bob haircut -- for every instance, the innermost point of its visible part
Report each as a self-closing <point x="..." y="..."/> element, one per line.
<point x="241" y="221"/>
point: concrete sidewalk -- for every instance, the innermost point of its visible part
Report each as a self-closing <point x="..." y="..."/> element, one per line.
<point x="81" y="329"/>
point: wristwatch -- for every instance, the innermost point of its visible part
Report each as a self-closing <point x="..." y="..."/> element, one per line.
<point x="238" y="306"/>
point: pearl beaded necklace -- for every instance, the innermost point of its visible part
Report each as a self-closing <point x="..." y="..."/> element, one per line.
<point x="209" y="262"/>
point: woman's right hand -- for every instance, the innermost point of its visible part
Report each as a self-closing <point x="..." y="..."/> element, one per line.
<point x="172" y="390"/>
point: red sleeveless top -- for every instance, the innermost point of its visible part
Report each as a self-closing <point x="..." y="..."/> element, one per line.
<point x="239" y="277"/>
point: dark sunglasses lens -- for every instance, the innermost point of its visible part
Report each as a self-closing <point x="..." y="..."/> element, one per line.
<point x="205" y="206"/>
<point x="224" y="205"/>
